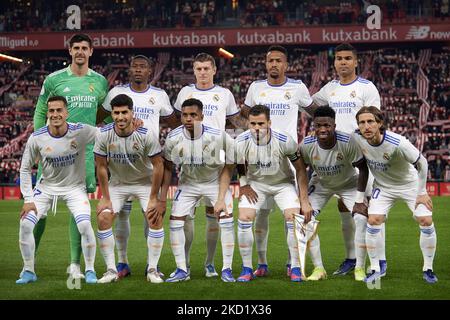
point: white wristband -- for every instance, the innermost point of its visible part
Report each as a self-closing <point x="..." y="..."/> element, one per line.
<point x="243" y="181"/>
<point x="360" y="197"/>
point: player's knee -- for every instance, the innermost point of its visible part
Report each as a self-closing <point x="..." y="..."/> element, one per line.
<point x="84" y="227"/>
<point x="26" y="226"/>
<point x="425" y="221"/>
<point x="341" y="206"/>
<point x="104" y="220"/>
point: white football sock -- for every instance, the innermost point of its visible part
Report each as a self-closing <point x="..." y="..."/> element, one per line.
<point x="122" y="232"/>
<point x="348" y="233"/>
<point x="292" y="245"/>
<point x="177" y="242"/>
<point x="26" y="240"/>
<point x="428" y="240"/>
<point x="314" y="251"/>
<point x="88" y="244"/>
<point x="227" y="241"/>
<point x="189" y="238"/>
<point x="106" y="242"/>
<point x="262" y="234"/>
<point x="373" y="242"/>
<point x="360" y="239"/>
<point x="245" y="241"/>
<point x="155" y="241"/>
<point x="212" y="235"/>
<point x="382" y="250"/>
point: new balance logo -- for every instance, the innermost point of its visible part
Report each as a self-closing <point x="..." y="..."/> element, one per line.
<point x="66" y="89"/>
<point x="420" y="32"/>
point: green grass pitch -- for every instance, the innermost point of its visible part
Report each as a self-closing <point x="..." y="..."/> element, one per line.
<point x="403" y="280"/>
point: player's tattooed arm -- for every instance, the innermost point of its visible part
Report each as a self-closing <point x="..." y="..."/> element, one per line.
<point x="422" y="197"/>
<point x="172" y="121"/>
<point x="363" y="174"/>
<point x="311" y="109"/>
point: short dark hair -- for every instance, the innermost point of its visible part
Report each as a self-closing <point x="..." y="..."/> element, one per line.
<point x="141" y="56"/>
<point x="377" y="114"/>
<point x="58" y="98"/>
<point x="192" y="102"/>
<point x="203" y="57"/>
<point x="80" y="37"/>
<point x="122" y="100"/>
<point x="324" y="111"/>
<point x="279" y="49"/>
<point x="346" y="47"/>
<point x="260" y="109"/>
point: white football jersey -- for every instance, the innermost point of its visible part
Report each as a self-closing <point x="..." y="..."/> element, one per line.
<point x="218" y="104"/>
<point x="391" y="162"/>
<point x="128" y="157"/>
<point x="201" y="159"/>
<point x="334" y="167"/>
<point x="148" y="105"/>
<point x="347" y="99"/>
<point x="285" y="101"/>
<point x="63" y="160"/>
<point x="269" y="163"/>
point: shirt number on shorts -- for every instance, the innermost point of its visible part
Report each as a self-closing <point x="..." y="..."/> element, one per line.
<point x="375" y="193"/>
<point x="177" y="194"/>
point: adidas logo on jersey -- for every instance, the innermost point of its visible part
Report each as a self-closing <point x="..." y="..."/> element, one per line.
<point x="66" y="89"/>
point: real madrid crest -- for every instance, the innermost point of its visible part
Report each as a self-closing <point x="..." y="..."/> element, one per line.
<point x="216" y="98"/>
<point x="73" y="144"/>
<point x="339" y="157"/>
<point x="135" y="146"/>
<point x="91" y="87"/>
<point x="287" y="95"/>
<point x="151" y="100"/>
<point x="386" y="156"/>
<point x="353" y="94"/>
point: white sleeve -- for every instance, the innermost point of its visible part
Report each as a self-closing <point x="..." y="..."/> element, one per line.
<point x="321" y="97"/>
<point x="232" y="108"/>
<point x="249" y="100"/>
<point x="290" y="148"/>
<point x="167" y="152"/>
<point x="240" y="151"/>
<point x="180" y="99"/>
<point x="154" y="148"/>
<point x="354" y="151"/>
<point x="409" y="151"/>
<point x="304" y="98"/>
<point x="166" y="108"/>
<point x="305" y="153"/>
<point x="230" y="149"/>
<point x="372" y="96"/>
<point x="107" y="102"/>
<point x="89" y="133"/>
<point x="30" y="155"/>
<point x="100" y="147"/>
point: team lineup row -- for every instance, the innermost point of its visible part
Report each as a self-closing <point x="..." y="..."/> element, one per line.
<point x="285" y="98"/>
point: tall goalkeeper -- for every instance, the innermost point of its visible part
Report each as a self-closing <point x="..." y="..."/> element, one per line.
<point x="84" y="90"/>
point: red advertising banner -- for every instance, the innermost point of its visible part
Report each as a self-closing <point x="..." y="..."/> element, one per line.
<point x="433" y="188"/>
<point x="11" y="193"/>
<point x="169" y="38"/>
<point x="445" y="189"/>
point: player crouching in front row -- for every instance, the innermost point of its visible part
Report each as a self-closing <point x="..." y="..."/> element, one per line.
<point x="400" y="172"/>
<point x="267" y="154"/>
<point x="129" y="154"/>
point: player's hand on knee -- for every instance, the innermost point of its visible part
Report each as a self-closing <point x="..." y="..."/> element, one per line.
<point x="425" y="200"/>
<point x="219" y="207"/>
<point x="249" y="193"/>
<point x="104" y="205"/>
<point x="307" y="211"/>
<point x="27" y="207"/>
<point x="360" y="208"/>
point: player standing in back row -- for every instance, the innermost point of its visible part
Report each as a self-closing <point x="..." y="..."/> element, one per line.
<point x="347" y="95"/>
<point x="219" y="105"/>
<point x="84" y="90"/>
<point x="285" y="98"/>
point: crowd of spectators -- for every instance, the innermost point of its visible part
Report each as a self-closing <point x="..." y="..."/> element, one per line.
<point x="40" y="15"/>
<point x="394" y="72"/>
